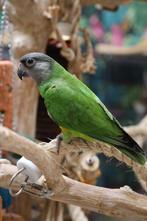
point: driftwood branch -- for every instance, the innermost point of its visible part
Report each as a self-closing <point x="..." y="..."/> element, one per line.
<point x="29" y="149"/>
<point x="121" y="202"/>
<point x="107" y="49"/>
<point x="107" y="3"/>
<point x="103" y="2"/>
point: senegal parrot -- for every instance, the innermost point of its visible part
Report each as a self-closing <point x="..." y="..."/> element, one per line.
<point x="74" y="107"/>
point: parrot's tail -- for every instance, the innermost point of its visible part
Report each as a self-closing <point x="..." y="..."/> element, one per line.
<point x="129" y="147"/>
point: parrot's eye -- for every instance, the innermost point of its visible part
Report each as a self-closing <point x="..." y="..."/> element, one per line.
<point x="30" y="62"/>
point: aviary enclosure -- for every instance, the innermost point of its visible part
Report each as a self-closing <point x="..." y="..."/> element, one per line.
<point x="102" y="43"/>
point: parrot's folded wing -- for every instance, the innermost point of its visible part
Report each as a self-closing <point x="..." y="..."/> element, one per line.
<point x="127" y="146"/>
<point x="75" y="107"/>
<point x="124" y="142"/>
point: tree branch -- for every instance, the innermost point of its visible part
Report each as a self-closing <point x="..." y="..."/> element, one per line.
<point x="107" y="49"/>
<point x="35" y="153"/>
<point x="103" y="2"/>
<point x="27" y="148"/>
<point x="119" y="202"/>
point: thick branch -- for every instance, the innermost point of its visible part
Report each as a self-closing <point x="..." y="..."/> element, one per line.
<point x="30" y="33"/>
<point x="112" y="202"/>
<point x="35" y="153"/>
<point x="139" y="129"/>
<point x="107" y="49"/>
<point x="118" y="202"/>
<point x="103" y="2"/>
<point x="27" y="148"/>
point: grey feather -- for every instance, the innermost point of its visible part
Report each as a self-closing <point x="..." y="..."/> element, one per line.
<point x="41" y="69"/>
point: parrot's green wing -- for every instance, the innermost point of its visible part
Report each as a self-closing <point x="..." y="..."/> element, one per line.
<point x="72" y="105"/>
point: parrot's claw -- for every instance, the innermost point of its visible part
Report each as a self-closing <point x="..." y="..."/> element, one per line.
<point x="59" y="139"/>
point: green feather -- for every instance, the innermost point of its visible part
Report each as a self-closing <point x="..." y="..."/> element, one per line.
<point x="72" y="105"/>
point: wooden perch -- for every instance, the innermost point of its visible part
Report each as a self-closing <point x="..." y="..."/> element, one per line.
<point x="30" y="33"/>
<point x="109" y="4"/>
<point x="105" y="3"/>
<point x="121" y="202"/>
<point x="138" y="49"/>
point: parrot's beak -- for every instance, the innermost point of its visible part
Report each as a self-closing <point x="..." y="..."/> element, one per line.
<point x="21" y="72"/>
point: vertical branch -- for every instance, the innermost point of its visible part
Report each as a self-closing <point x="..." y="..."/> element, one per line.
<point x="30" y="33"/>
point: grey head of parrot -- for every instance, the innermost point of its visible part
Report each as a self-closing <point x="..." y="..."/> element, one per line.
<point x="35" y="65"/>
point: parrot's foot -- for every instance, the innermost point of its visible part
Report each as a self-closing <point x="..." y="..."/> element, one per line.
<point x="59" y="139"/>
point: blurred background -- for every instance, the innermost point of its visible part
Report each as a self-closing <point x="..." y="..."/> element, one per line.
<point x="120" y="80"/>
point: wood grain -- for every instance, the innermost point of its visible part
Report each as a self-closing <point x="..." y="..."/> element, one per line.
<point x="121" y="202"/>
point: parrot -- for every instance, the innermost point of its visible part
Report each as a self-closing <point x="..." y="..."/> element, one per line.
<point x="74" y="107"/>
